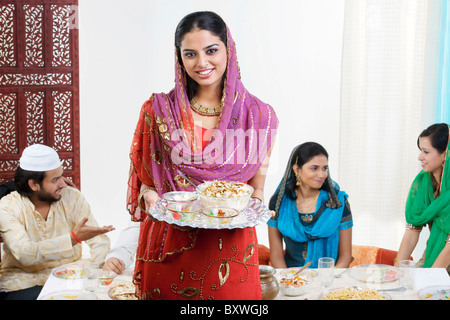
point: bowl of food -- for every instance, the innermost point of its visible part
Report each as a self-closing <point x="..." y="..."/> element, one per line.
<point x="184" y="210"/>
<point x="219" y="215"/>
<point x="295" y="285"/>
<point x="180" y="196"/>
<point x="224" y="194"/>
<point x="106" y="277"/>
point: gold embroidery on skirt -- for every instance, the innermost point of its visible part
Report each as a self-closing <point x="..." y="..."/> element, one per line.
<point x="188" y="292"/>
<point x="224" y="272"/>
<point x="181" y="275"/>
<point x="247" y="254"/>
<point x="149" y="295"/>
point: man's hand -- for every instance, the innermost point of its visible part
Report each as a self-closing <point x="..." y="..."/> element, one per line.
<point x="115" y="265"/>
<point x="84" y="232"/>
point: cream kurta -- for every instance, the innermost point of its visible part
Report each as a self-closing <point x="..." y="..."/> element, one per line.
<point x="33" y="246"/>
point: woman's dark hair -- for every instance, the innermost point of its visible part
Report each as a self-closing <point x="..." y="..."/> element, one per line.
<point x="21" y="178"/>
<point x="300" y="155"/>
<point x="438" y="134"/>
<point x="203" y="20"/>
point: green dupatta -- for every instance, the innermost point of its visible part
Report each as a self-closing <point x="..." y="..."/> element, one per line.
<point x="422" y="208"/>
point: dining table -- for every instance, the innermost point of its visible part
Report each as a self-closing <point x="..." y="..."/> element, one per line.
<point x="424" y="279"/>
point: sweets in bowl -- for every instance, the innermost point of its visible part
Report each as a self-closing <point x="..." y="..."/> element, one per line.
<point x="180" y="196"/>
<point x="219" y="215"/>
<point x="184" y="211"/>
<point x="224" y="194"/>
<point x="106" y="277"/>
<point x="295" y="285"/>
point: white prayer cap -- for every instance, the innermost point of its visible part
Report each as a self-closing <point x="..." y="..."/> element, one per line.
<point x="39" y="158"/>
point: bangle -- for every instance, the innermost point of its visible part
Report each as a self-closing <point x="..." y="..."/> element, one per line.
<point x="396" y="260"/>
<point x="257" y="198"/>
<point x="141" y="195"/>
<point x="413" y="228"/>
<point x="75" y="237"/>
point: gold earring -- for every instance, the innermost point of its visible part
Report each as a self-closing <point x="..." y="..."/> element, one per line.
<point x="299" y="179"/>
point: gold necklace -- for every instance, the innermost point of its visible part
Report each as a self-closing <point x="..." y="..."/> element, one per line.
<point x="306" y="205"/>
<point x="203" y="111"/>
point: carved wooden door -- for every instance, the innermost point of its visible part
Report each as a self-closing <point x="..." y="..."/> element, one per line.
<point x="39" y="82"/>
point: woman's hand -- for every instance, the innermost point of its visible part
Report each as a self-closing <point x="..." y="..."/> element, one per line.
<point x="150" y="197"/>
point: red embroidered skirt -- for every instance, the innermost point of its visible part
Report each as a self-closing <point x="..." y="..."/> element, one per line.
<point x="189" y="263"/>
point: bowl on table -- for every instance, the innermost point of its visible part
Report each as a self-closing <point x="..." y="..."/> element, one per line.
<point x="224" y="194"/>
<point x="295" y="285"/>
<point x="106" y="277"/>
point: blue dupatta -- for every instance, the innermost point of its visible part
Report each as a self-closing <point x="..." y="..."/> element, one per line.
<point x="322" y="233"/>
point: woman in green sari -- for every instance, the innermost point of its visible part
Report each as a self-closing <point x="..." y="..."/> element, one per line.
<point x="428" y="201"/>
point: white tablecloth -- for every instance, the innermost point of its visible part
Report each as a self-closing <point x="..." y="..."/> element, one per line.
<point x="423" y="278"/>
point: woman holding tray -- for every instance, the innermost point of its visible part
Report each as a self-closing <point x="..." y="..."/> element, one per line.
<point x="194" y="131"/>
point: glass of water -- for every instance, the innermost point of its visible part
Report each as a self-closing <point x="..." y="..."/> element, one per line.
<point x="326" y="271"/>
<point x="407" y="273"/>
<point x="90" y="279"/>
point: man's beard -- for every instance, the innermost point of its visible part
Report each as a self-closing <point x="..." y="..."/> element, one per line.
<point x="47" y="197"/>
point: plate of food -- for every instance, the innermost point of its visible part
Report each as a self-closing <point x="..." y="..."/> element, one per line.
<point x="69" y="272"/>
<point x="70" y="295"/>
<point x="354" y="293"/>
<point x="434" y="293"/>
<point x="374" y="273"/>
<point x="255" y="213"/>
<point x="213" y="196"/>
<point x="123" y="291"/>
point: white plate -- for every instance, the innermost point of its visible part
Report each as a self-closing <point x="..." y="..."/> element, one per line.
<point x="70" y="295"/>
<point x="68" y="272"/>
<point x="255" y="213"/>
<point x="374" y="273"/>
<point x="431" y="293"/>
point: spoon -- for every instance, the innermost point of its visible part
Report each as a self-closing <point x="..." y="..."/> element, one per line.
<point x="302" y="268"/>
<point x="340" y="274"/>
<point x="443" y="291"/>
<point x="186" y="178"/>
<point x="401" y="289"/>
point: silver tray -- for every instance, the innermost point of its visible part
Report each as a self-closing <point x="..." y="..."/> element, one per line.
<point x="255" y="213"/>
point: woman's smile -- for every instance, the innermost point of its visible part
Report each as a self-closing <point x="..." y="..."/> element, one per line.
<point x="204" y="74"/>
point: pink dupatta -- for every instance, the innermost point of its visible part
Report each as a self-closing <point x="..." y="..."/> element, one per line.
<point x="164" y="142"/>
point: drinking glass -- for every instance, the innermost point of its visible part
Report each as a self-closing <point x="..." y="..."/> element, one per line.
<point x="90" y="279"/>
<point x="326" y="271"/>
<point x="407" y="273"/>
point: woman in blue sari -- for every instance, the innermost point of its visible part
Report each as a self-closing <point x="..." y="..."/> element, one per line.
<point x="312" y="214"/>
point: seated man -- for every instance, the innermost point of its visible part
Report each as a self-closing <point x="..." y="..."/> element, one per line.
<point x="122" y="255"/>
<point x="42" y="224"/>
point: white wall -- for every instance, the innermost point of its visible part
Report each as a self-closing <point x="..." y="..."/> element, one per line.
<point x="289" y="53"/>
